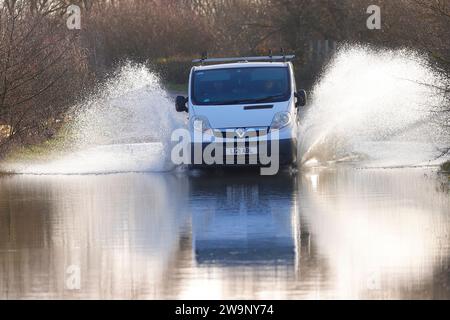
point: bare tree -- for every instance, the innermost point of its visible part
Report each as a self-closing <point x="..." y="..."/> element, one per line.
<point x="41" y="69"/>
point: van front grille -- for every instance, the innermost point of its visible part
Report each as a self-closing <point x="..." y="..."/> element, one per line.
<point x="241" y="132"/>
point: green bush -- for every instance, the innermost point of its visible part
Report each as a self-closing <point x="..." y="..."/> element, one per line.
<point x="175" y="71"/>
<point x="446" y="166"/>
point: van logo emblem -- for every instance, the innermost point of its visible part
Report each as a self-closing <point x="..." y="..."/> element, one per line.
<point x="241" y="132"/>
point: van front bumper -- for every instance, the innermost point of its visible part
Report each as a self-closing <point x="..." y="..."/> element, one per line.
<point x="286" y="155"/>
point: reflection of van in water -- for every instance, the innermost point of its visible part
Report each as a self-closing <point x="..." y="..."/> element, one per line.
<point x="244" y="220"/>
<point x="243" y="104"/>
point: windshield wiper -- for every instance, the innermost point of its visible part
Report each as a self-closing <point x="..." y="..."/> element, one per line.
<point x="260" y="100"/>
<point x="268" y="99"/>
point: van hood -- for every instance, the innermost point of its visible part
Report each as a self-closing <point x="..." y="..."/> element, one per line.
<point x="240" y="116"/>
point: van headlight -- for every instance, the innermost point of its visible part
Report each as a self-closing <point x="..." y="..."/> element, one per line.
<point x="201" y="124"/>
<point x="281" y="120"/>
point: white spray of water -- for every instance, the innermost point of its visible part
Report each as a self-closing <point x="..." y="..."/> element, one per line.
<point x="373" y="105"/>
<point x="124" y="127"/>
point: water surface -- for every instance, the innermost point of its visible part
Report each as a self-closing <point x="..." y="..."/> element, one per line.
<point x="323" y="233"/>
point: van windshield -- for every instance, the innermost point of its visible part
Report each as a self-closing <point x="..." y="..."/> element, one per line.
<point x="240" y="86"/>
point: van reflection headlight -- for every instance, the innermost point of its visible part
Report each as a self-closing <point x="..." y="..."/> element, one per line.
<point x="281" y="120"/>
<point x="201" y="124"/>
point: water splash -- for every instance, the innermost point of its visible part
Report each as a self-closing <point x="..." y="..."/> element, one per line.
<point x="131" y="107"/>
<point x="372" y="106"/>
<point x="124" y="126"/>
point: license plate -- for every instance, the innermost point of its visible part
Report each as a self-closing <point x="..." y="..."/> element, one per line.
<point x="241" y="151"/>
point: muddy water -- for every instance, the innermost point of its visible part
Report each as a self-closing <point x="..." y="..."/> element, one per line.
<point x="323" y="233"/>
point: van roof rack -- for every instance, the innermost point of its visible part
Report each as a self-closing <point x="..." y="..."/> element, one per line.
<point x="282" y="58"/>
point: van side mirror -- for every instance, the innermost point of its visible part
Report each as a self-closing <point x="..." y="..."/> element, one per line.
<point x="180" y="104"/>
<point x="302" y="98"/>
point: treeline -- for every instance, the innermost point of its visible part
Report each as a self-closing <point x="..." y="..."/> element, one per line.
<point x="44" y="66"/>
<point x="173" y="30"/>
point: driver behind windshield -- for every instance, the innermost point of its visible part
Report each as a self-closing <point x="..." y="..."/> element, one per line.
<point x="270" y="88"/>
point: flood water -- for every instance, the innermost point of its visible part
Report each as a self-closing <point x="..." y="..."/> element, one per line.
<point x="320" y="234"/>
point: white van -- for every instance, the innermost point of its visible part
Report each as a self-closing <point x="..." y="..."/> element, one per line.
<point x="246" y="107"/>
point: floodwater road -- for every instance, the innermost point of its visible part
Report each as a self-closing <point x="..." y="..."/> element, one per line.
<point x="322" y="233"/>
